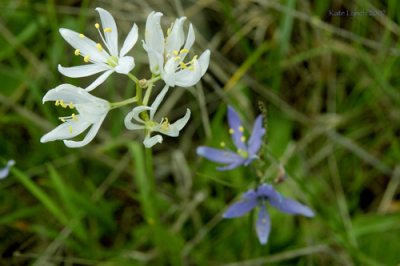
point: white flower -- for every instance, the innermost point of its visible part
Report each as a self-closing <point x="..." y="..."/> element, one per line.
<point x="92" y="111"/>
<point x="166" y="56"/>
<point x="94" y="52"/>
<point x="163" y="127"/>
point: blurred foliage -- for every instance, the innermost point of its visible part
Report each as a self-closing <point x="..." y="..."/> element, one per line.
<point x="330" y="84"/>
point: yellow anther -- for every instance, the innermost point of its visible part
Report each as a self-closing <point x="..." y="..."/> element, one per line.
<point x="81" y="35"/>
<point x="191" y="68"/>
<point x="107" y="30"/>
<point x="264" y="220"/>
<point x="183" y="65"/>
<point x="86" y="59"/>
<point x="231" y="131"/>
<point x="174" y="52"/>
<point x="166" y="44"/>
<point x="165" y="39"/>
<point x="195" y="57"/>
<point x="147" y="31"/>
<point x="62" y="104"/>
<point x="74" y="117"/>
<point x="97" y="25"/>
<point x="77" y="51"/>
<point x="243" y="139"/>
<point x="70" y="105"/>
<point x="62" y="119"/>
<point x="222" y="144"/>
<point x="184" y="51"/>
<point x="239" y="150"/>
<point x="70" y="129"/>
<point x="241" y="129"/>
<point x="57" y="103"/>
<point x="168" y="31"/>
<point x="99" y="47"/>
<point x="177" y="58"/>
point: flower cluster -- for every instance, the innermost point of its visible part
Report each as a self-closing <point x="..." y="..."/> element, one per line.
<point x="166" y="60"/>
<point x="265" y="193"/>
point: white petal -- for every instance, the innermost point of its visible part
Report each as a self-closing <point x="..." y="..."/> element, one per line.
<point x="154" y="36"/>
<point x="204" y="61"/>
<point x="169" y="75"/>
<point x="178" y="125"/>
<point x="99" y="80"/>
<point x="89" y="136"/>
<point x="156" y="60"/>
<point x="150" y="142"/>
<point x="82" y="71"/>
<point x="187" y="77"/>
<point x="68" y="93"/>
<point x="128" y="122"/>
<point x="62" y="131"/>
<point x="176" y="38"/>
<point x="157" y="101"/>
<point x="107" y="21"/>
<point x="137" y="110"/>
<point x="85" y="45"/>
<point x="130" y="41"/>
<point x="125" y="65"/>
<point x="189" y="41"/>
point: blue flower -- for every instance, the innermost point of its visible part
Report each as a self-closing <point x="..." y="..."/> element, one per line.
<point x="6" y="170"/>
<point x="266" y="193"/>
<point x="244" y="154"/>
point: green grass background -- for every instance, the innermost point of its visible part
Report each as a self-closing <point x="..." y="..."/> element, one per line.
<point x="331" y="86"/>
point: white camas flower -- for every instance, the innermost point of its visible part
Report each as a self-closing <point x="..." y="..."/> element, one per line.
<point x="166" y="56"/>
<point x="92" y="111"/>
<point x="163" y="127"/>
<point x="94" y="52"/>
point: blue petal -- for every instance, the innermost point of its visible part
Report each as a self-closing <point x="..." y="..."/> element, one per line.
<point x="231" y="166"/>
<point x="240" y="208"/>
<point x="234" y="124"/>
<point x="219" y="156"/>
<point x="266" y="191"/>
<point x="256" y="137"/>
<point x="290" y="206"/>
<point x="263" y="227"/>
<point x="251" y="194"/>
<point x="6" y="170"/>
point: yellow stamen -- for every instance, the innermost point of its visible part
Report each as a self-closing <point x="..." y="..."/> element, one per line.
<point x="165" y="39"/>
<point x="70" y="129"/>
<point x="107" y="30"/>
<point x="147" y="31"/>
<point x="222" y="144"/>
<point x="166" y="44"/>
<point x="166" y="121"/>
<point x="239" y="150"/>
<point x="57" y="103"/>
<point x="195" y="57"/>
<point x="241" y="129"/>
<point x="99" y="47"/>
<point x="174" y="52"/>
<point x="62" y="104"/>
<point x="97" y="25"/>
<point x="168" y="31"/>
<point x="191" y="68"/>
<point x="183" y="65"/>
<point x="177" y="58"/>
<point x="77" y="51"/>
<point x="62" y="119"/>
<point x="86" y="59"/>
<point x="184" y="51"/>
<point x="74" y="117"/>
<point x="243" y="139"/>
<point x="231" y="131"/>
<point x="81" y="35"/>
<point x="264" y="220"/>
<point x="70" y="105"/>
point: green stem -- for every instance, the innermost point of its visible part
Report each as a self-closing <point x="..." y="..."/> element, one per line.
<point x="119" y="104"/>
<point x="132" y="77"/>
<point x="152" y="80"/>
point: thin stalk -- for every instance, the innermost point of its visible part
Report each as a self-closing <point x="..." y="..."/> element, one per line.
<point x="119" y="104"/>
